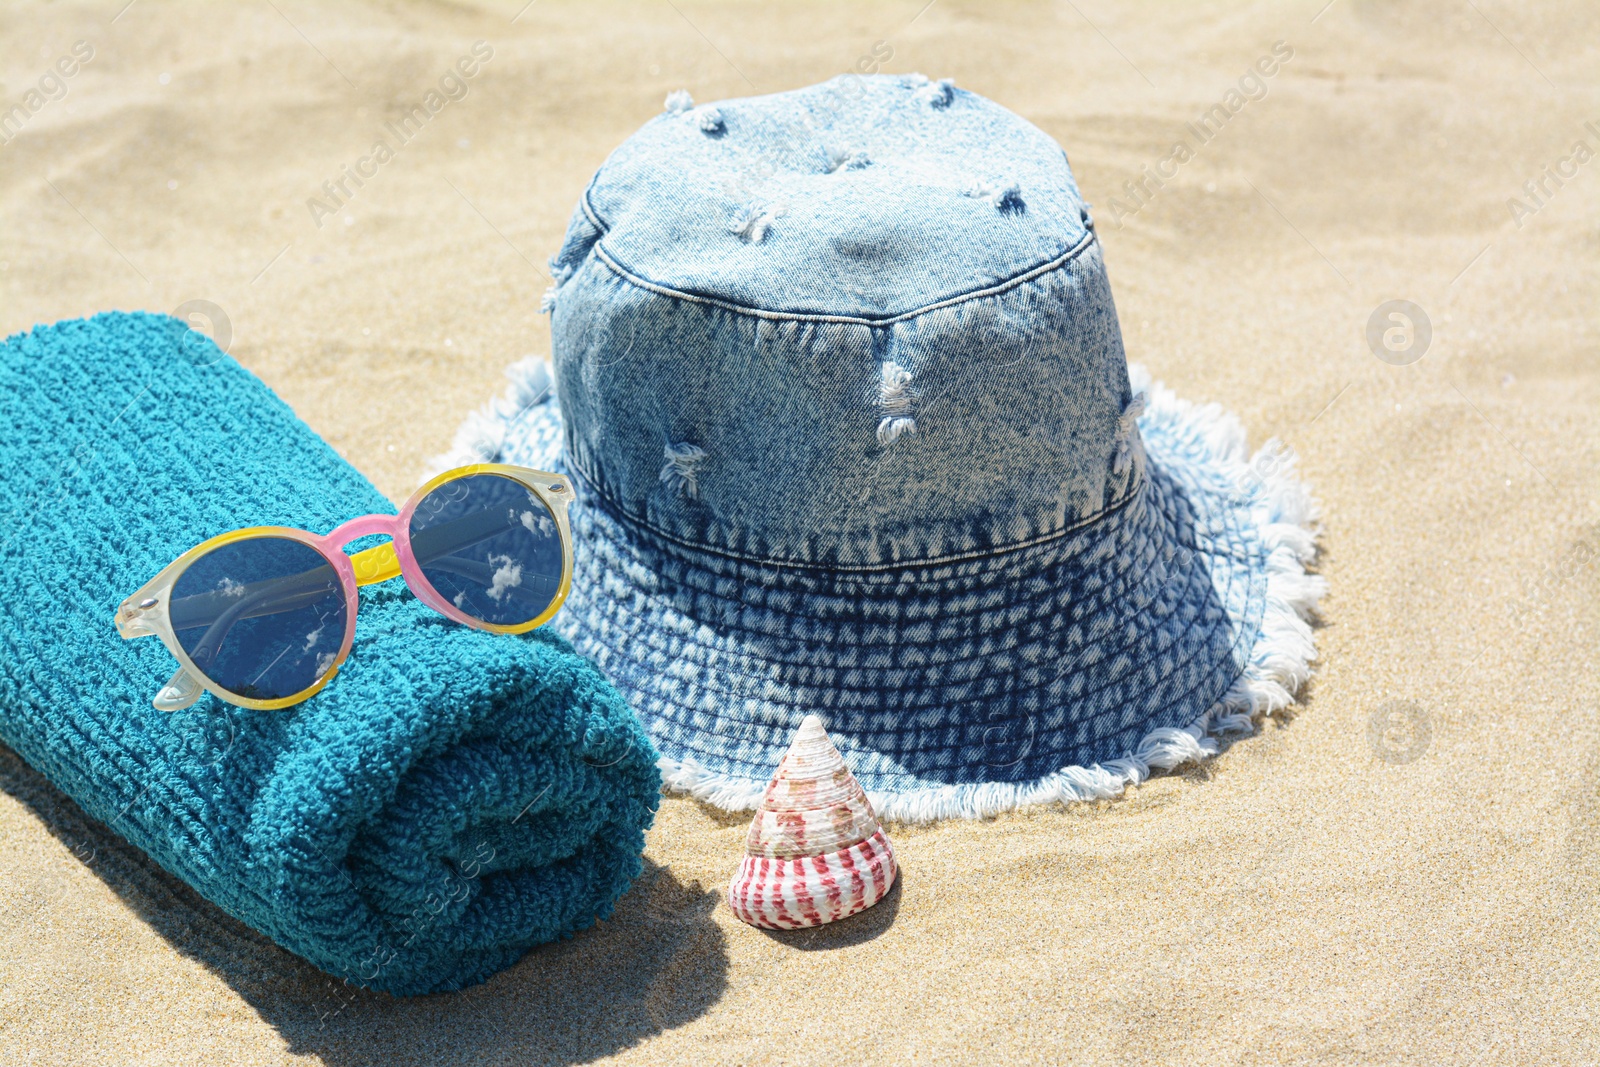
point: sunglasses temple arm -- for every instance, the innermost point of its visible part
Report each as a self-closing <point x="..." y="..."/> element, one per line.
<point x="453" y="536"/>
<point x="484" y="576"/>
<point x="376" y="564"/>
<point x="258" y="598"/>
<point x="264" y="598"/>
<point x="181" y="690"/>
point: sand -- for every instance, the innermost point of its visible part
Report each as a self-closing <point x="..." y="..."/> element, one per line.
<point x="1422" y="890"/>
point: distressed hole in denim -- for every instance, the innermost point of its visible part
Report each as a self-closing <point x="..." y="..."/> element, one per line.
<point x="709" y="119"/>
<point x="938" y="94"/>
<point x="895" y="400"/>
<point x="1007" y="199"/>
<point x="843" y="159"/>
<point x="752" y="221"/>
<point x="681" y="475"/>
<point x="1127" y="422"/>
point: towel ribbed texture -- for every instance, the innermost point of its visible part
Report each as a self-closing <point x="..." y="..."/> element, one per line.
<point x="451" y="799"/>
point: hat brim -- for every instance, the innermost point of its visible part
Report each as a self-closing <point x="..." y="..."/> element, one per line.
<point x="1063" y="671"/>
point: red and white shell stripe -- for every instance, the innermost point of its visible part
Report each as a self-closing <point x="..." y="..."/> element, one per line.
<point x="815" y="851"/>
<point x="784" y="894"/>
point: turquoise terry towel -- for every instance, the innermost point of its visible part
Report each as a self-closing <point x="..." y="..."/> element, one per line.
<point x="453" y="798"/>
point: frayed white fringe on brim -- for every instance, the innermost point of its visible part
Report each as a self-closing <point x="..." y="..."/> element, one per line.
<point x="1280" y="663"/>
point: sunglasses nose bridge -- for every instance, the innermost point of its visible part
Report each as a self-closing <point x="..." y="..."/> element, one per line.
<point x="365" y="526"/>
<point x="378" y="563"/>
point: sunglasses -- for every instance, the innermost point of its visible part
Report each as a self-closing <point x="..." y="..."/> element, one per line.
<point x="264" y="617"/>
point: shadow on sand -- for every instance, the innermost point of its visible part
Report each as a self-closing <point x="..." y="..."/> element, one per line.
<point x="659" y="962"/>
<point x="858" y="929"/>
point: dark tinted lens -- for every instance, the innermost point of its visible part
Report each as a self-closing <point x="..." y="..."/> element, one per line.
<point x="263" y="618"/>
<point x="490" y="547"/>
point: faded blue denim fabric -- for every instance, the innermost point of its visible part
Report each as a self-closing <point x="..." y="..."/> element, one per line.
<point x="841" y="387"/>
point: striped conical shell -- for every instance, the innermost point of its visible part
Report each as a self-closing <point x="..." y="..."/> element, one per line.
<point x="815" y="851"/>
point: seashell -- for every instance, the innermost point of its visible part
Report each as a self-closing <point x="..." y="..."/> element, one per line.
<point x="815" y="851"/>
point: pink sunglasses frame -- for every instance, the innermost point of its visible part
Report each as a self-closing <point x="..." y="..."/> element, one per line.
<point x="144" y="614"/>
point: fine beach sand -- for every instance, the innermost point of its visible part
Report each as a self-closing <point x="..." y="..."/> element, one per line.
<point x="1327" y="891"/>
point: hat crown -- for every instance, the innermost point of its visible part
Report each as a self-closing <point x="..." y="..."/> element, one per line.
<point x="861" y="324"/>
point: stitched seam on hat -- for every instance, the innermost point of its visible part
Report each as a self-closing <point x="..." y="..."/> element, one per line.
<point x="1015" y="280"/>
<point x="860" y="320"/>
<point x="962" y="572"/>
<point x="588" y="209"/>
<point x="575" y="469"/>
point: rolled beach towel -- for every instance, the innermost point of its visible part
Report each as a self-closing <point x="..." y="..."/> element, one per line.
<point x="452" y="799"/>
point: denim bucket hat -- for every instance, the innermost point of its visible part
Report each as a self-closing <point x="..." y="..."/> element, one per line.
<point x="840" y="386"/>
